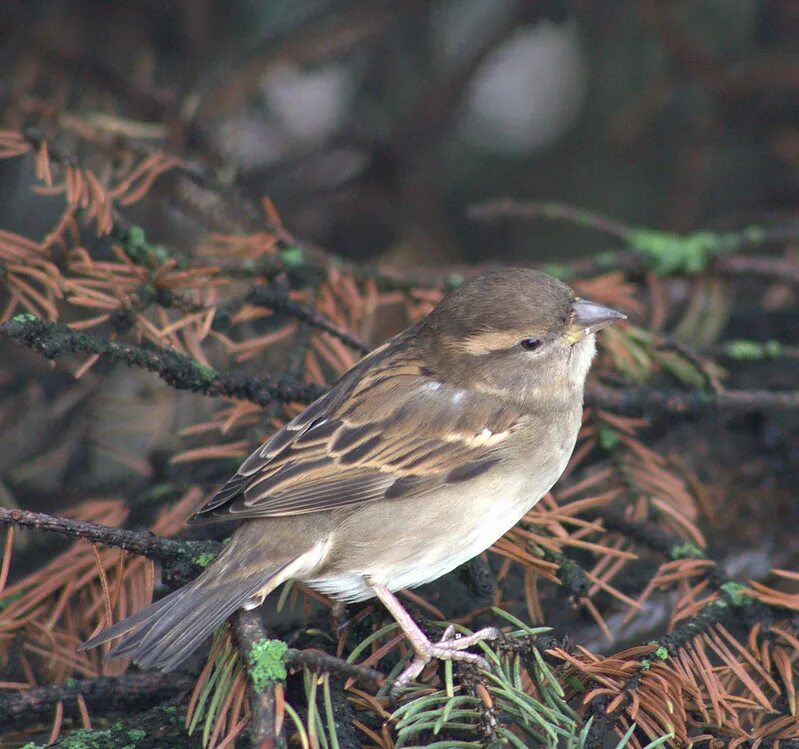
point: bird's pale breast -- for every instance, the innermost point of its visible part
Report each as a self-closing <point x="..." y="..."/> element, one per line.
<point x="417" y="539"/>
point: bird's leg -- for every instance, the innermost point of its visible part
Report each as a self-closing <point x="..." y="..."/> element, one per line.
<point x="449" y="647"/>
<point x="339" y="615"/>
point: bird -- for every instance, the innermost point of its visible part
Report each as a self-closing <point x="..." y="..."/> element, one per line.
<point x="416" y="460"/>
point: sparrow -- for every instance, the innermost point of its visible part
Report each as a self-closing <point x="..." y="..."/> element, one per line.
<point x="416" y="460"/>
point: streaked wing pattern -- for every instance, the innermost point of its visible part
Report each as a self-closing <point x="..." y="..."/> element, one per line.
<point x="387" y="430"/>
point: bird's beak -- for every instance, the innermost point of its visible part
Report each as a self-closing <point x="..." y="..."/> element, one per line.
<point x="589" y="317"/>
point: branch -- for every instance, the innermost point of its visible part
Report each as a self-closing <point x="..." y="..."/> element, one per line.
<point x="650" y="535"/>
<point x="137" y="542"/>
<point x="767" y="267"/>
<point x="322" y="663"/>
<point x="718" y="611"/>
<point x="101" y="695"/>
<point x="184" y="373"/>
<point x="732" y="603"/>
<point x="278" y="300"/>
<point x="273" y="297"/>
<point x="754" y="742"/>
<point x="250" y="633"/>
<point x="640" y="400"/>
<point x="505" y="208"/>
<point x="267" y="661"/>
<point x="663" y="252"/>
<point x="53" y="339"/>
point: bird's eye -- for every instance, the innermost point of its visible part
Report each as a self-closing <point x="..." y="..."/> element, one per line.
<point x="530" y="344"/>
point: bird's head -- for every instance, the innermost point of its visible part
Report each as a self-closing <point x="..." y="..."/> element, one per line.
<point x="517" y="332"/>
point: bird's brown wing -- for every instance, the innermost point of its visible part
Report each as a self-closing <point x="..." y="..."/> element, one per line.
<point x="386" y="430"/>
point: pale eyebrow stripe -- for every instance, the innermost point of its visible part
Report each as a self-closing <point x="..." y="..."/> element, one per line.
<point x="482" y="343"/>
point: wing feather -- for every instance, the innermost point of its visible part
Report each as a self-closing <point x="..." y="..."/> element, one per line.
<point x="386" y="430"/>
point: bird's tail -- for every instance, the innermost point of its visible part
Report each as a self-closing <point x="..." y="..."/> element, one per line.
<point x="166" y="633"/>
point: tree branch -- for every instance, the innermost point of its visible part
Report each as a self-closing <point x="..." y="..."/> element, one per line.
<point x="137" y="542"/>
<point x="274" y="297"/>
<point x="641" y="400"/>
<point x="507" y="208"/>
<point x="102" y="695"/>
<point x="664" y="252"/>
<point x="278" y="301"/>
<point x="322" y="663"/>
<point x="730" y="604"/>
<point x="52" y="339"/>
<point x="249" y="633"/>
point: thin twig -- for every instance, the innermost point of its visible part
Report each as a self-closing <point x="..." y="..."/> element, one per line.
<point x="504" y="208"/>
<point x="702" y="365"/>
<point x="647" y="534"/>
<point x="322" y="663"/>
<point x="766" y="267"/>
<point x="637" y="256"/>
<point x="644" y="400"/>
<point x="137" y="542"/>
<point x="278" y="300"/>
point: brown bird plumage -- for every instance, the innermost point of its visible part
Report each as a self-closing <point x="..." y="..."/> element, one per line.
<point x="417" y="459"/>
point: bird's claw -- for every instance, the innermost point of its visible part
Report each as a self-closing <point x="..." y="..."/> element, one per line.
<point x="449" y="648"/>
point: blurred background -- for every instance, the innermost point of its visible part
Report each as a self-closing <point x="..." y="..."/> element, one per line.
<point x="374" y="125"/>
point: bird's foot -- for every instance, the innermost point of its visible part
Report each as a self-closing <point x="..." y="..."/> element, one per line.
<point x="450" y="647"/>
